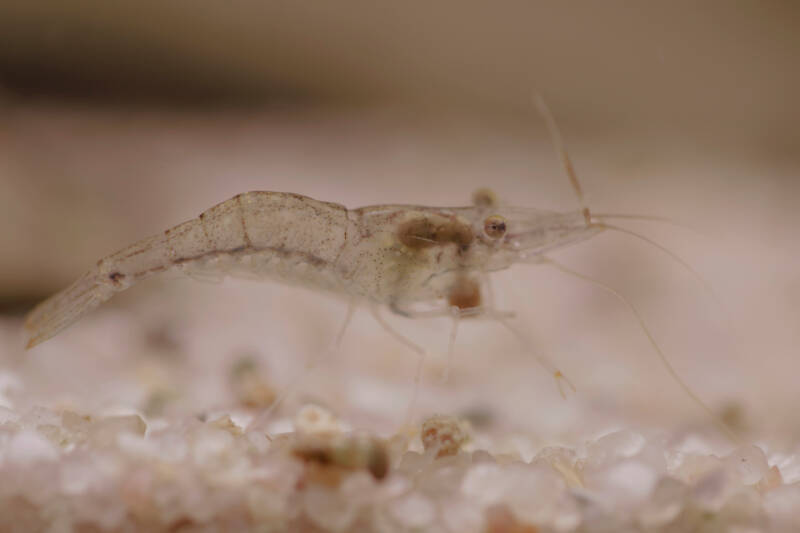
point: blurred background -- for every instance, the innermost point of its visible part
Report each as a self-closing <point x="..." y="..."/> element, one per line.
<point x="119" y="120"/>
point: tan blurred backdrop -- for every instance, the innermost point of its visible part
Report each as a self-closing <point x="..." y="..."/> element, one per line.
<point x="121" y="119"/>
<point x="85" y="83"/>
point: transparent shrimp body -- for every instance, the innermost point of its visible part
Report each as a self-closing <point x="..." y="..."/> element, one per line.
<point x="382" y="254"/>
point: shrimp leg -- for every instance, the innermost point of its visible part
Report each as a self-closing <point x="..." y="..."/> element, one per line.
<point x="451" y="348"/>
<point x="261" y="420"/>
<point x="562" y="382"/>
<point x="422" y="355"/>
<point x="503" y="317"/>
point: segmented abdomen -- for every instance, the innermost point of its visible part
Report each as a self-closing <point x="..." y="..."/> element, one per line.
<point x="262" y="234"/>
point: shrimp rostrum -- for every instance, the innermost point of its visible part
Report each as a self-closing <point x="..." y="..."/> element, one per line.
<point x="417" y="261"/>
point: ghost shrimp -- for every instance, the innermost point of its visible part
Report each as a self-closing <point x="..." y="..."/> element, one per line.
<point x="417" y="261"/>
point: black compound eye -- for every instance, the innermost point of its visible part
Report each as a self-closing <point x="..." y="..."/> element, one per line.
<point x="494" y="226"/>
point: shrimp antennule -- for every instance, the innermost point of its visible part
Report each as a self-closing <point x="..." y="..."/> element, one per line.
<point x="558" y="144"/>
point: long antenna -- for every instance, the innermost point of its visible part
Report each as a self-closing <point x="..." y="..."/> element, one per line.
<point x="675" y="257"/>
<point x="662" y="357"/>
<point x="648" y="218"/>
<point x="558" y="144"/>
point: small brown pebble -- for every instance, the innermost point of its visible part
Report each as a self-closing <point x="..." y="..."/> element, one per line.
<point x="500" y="519"/>
<point x="226" y="423"/>
<point x="445" y="434"/>
<point x="313" y="419"/>
<point x="771" y="480"/>
<point x="329" y="458"/>
<point x="249" y="385"/>
<point x="733" y="415"/>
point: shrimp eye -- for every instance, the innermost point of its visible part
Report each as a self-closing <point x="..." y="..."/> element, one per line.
<point x="494" y="226"/>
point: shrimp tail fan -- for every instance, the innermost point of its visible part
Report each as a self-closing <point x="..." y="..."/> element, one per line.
<point x="65" y="307"/>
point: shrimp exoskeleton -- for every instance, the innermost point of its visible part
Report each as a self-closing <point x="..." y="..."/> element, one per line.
<point x="418" y="261"/>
